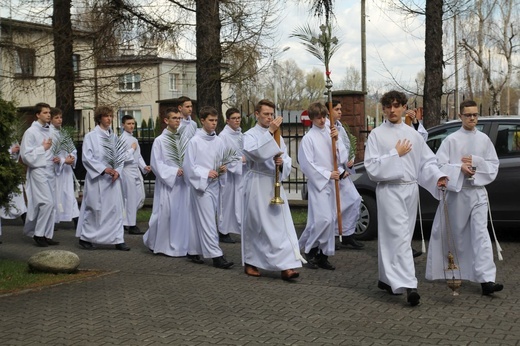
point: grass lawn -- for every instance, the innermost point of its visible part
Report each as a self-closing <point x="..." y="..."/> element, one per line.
<point x="299" y="215"/>
<point x="15" y="276"/>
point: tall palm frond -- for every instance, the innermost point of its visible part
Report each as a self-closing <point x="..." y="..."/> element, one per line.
<point x="229" y="155"/>
<point x="322" y="8"/>
<point x="114" y="150"/>
<point x="63" y="141"/>
<point x="348" y="136"/>
<point x="322" y="45"/>
<point x="177" y="144"/>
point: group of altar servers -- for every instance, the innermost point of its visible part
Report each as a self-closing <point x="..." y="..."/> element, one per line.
<point x="208" y="187"/>
<point x="49" y="155"/>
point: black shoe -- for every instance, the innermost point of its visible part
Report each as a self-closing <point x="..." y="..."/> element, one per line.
<point x="412" y="296"/>
<point x="489" y="288"/>
<point x="51" y="242"/>
<point x="383" y="286"/>
<point x="322" y="261"/>
<point x="195" y="259"/>
<point x="311" y="258"/>
<point x="40" y="241"/>
<point x="134" y="230"/>
<point x="122" y="247"/>
<point x="226" y="238"/>
<point x="86" y="245"/>
<point x="416" y="253"/>
<point x="220" y="262"/>
<point x="351" y="240"/>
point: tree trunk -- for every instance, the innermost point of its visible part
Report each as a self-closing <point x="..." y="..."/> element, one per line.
<point x="433" y="59"/>
<point x="64" y="73"/>
<point x="209" y="56"/>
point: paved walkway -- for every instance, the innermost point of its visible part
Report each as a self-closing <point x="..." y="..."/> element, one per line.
<point x="157" y="300"/>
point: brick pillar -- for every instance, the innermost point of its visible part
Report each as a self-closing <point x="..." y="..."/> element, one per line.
<point x="353" y="114"/>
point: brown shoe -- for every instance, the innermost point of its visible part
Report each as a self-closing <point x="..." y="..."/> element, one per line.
<point x="251" y="270"/>
<point x="289" y="274"/>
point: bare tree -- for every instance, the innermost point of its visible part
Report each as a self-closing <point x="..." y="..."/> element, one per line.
<point x="63" y="49"/>
<point x="351" y="79"/>
<point x="433" y="63"/>
<point x="490" y="40"/>
<point x="314" y="87"/>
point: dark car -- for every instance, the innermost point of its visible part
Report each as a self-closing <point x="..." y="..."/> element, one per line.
<point x="504" y="192"/>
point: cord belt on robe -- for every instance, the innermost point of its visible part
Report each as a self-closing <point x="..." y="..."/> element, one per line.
<point x="398" y="182"/>
<point x="262" y="173"/>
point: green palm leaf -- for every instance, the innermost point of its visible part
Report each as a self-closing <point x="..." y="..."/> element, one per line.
<point x="322" y="45"/>
<point x="178" y="143"/>
<point x="114" y="150"/>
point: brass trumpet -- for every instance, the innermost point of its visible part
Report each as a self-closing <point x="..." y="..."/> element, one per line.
<point x="277" y="199"/>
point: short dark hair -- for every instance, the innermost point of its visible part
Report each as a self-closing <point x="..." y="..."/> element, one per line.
<point x="100" y="111"/>
<point x="264" y="102"/>
<point x="231" y="111"/>
<point x="335" y="103"/>
<point x="55" y="111"/>
<point x="39" y="106"/>
<point x="466" y="103"/>
<point x="206" y="111"/>
<point x="127" y="117"/>
<point x="168" y="111"/>
<point x="316" y="109"/>
<point x="393" y="95"/>
<point x="180" y="101"/>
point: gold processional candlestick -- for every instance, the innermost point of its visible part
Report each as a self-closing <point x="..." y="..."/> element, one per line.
<point x="277" y="199"/>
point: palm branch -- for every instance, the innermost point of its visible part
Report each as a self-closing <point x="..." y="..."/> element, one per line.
<point x="322" y="8"/>
<point x="228" y="156"/>
<point x="63" y="142"/>
<point x="177" y="144"/>
<point x="114" y="150"/>
<point x="352" y="140"/>
<point x="322" y="45"/>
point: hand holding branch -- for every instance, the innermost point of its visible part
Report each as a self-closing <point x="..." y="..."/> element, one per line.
<point x="69" y="160"/>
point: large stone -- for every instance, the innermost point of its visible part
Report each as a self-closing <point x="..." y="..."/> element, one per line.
<point x="54" y="261"/>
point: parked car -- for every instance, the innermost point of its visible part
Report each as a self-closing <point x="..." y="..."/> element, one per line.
<point x="504" y="192"/>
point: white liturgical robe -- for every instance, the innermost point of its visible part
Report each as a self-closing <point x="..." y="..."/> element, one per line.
<point x="467" y="206"/>
<point x="268" y="236"/>
<point x="397" y="197"/>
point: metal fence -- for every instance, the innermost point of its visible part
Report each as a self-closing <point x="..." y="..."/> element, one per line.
<point x="292" y="133"/>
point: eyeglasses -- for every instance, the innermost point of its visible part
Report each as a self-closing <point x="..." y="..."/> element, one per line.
<point x="235" y="119"/>
<point x="469" y="115"/>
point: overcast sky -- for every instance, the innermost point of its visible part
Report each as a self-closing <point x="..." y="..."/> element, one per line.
<point x="395" y="44"/>
<point x="392" y="40"/>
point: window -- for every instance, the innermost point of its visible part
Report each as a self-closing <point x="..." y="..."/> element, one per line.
<point x="130" y="82"/>
<point x="174" y="81"/>
<point x="508" y="140"/>
<point x="75" y="65"/>
<point x="24" y="62"/>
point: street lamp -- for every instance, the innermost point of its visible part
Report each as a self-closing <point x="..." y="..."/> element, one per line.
<point x="275" y="80"/>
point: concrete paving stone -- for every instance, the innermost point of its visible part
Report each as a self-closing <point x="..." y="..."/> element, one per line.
<point x="170" y="299"/>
